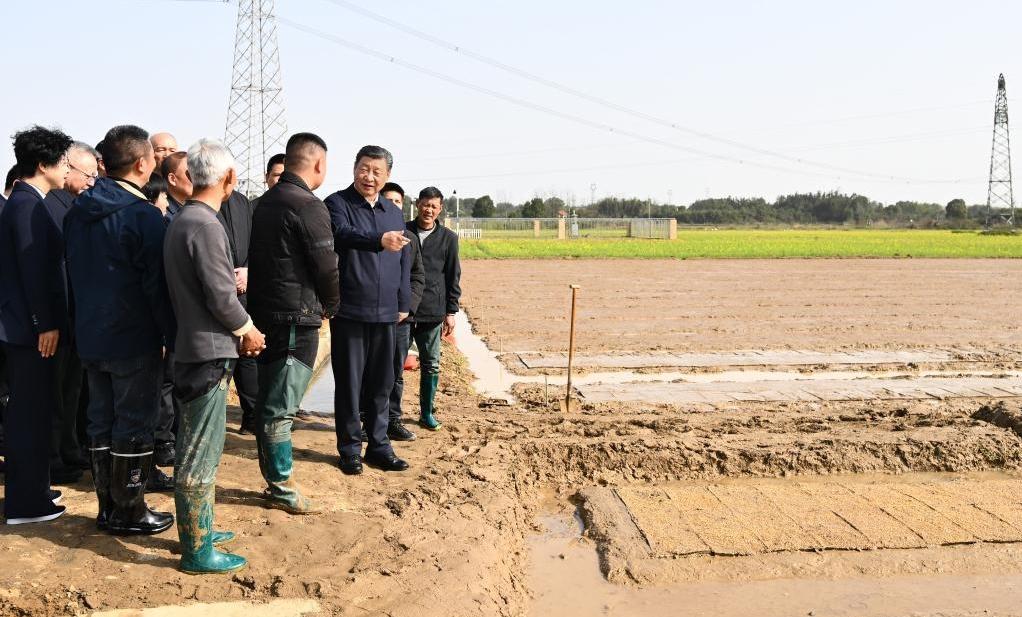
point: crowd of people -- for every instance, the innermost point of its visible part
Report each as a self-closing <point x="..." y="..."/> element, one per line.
<point x="136" y="283"/>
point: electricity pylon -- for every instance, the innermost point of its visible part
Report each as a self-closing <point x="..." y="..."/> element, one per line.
<point x="1000" y="194"/>
<point x="256" y="122"/>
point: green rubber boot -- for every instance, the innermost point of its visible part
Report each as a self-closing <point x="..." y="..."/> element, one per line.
<point x="282" y="492"/>
<point x="222" y="537"/>
<point x="195" y="528"/>
<point x="427" y="392"/>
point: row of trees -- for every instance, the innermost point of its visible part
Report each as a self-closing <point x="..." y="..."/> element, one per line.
<point x="800" y="208"/>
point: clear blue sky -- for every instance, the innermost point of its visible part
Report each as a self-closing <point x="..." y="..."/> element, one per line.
<point x="899" y="88"/>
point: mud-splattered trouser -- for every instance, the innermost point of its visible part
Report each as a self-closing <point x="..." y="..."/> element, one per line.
<point x="201" y="390"/>
<point x="285" y="369"/>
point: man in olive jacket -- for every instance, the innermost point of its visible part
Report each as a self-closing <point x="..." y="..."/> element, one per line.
<point x="293" y="287"/>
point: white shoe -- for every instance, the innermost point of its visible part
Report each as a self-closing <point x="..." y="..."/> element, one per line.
<point x="37" y="519"/>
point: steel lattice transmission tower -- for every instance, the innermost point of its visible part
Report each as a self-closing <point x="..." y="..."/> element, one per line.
<point x="256" y="123"/>
<point x="1000" y="194"/>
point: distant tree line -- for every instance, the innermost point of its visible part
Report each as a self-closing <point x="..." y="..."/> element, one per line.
<point x="796" y="209"/>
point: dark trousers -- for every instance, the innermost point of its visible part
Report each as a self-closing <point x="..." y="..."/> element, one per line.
<point x="64" y="446"/>
<point x="427" y="340"/>
<point x="124" y="401"/>
<point x="403" y="341"/>
<point x="28" y="423"/>
<point x="362" y="359"/>
<point x="166" y="420"/>
<point x="246" y="382"/>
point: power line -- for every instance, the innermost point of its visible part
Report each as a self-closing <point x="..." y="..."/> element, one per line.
<point x="362" y="49"/>
<point x="459" y="49"/>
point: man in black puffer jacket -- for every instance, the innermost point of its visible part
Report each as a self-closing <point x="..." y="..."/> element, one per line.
<point x="293" y="287"/>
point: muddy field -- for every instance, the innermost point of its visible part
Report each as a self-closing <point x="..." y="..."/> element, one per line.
<point x="685" y="507"/>
<point x="722" y="305"/>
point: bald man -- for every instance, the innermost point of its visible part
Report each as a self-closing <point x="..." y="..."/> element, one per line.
<point x="164" y="144"/>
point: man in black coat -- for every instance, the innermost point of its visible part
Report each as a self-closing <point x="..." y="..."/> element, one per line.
<point x="66" y="461"/>
<point x="374" y="264"/>
<point x="125" y="322"/>
<point x="294" y="287"/>
<point x="435" y="315"/>
<point x="33" y="319"/>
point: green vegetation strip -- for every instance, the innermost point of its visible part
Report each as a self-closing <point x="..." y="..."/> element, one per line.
<point x="759" y="244"/>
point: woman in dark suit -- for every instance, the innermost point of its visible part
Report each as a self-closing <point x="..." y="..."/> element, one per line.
<point x="33" y="318"/>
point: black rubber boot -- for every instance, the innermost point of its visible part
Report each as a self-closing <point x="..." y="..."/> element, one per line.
<point x="130" y="469"/>
<point x="100" y="455"/>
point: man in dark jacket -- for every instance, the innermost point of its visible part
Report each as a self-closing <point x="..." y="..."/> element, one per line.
<point x="236" y="216"/>
<point x="66" y="461"/>
<point x="124" y="321"/>
<point x="435" y="315"/>
<point x="395" y="430"/>
<point x="294" y="287"/>
<point x="375" y="295"/>
<point x="33" y="319"/>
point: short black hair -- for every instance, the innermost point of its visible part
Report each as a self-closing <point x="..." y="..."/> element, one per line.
<point x="375" y="152"/>
<point x="39" y="146"/>
<point x="152" y="189"/>
<point x="431" y="192"/>
<point x="299" y="140"/>
<point x="299" y="151"/>
<point x="122" y="146"/>
<point x="12" y="175"/>
<point x="393" y="186"/>
<point x="278" y="159"/>
<point x="171" y="162"/>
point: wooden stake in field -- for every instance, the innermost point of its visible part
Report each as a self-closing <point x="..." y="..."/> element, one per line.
<point x="571" y="347"/>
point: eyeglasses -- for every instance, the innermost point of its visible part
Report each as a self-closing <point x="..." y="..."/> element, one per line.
<point x="89" y="177"/>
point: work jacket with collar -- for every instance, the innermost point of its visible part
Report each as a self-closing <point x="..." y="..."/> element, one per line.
<point x="292" y="266"/>
<point x="375" y="284"/>
<point x="442" y="291"/>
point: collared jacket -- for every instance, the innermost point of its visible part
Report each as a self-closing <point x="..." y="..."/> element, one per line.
<point x="375" y="284"/>
<point x="292" y="276"/>
<point x="114" y="247"/>
<point x="32" y="285"/>
<point x="442" y="291"/>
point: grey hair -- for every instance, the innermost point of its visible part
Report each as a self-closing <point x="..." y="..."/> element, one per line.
<point x="375" y="152"/>
<point x="209" y="160"/>
<point x="79" y="146"/>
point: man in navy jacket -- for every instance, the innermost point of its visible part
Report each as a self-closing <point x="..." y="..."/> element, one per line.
<point x="374" y="266"/>
<point x="33" y="319"/>
<point x="124" y="320"/>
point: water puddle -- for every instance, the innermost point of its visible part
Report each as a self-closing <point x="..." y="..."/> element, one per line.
<point x="565" y="579"/>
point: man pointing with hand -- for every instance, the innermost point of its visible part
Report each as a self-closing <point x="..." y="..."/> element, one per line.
<point x="375" y="267"/>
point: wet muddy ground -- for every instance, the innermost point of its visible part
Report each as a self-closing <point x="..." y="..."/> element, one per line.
<point x="901" y="500"/>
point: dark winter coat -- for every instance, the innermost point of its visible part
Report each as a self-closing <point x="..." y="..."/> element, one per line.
<point x="442" y="291"/>
<point x="292" y="266"/>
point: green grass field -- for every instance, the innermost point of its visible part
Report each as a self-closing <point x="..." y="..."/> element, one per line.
<point x="750" y="244"/>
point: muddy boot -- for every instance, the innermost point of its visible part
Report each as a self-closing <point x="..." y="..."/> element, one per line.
<point x="129" y="471"/>
<point x="427" y="392"/>
<point x="160" y="482"/>
<point x="195" y="528"/>
<point x="100" y="455"/>
<point x="282" y="492"/>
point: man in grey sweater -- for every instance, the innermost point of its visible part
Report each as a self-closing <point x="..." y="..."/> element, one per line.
<point x="212" y="326"/>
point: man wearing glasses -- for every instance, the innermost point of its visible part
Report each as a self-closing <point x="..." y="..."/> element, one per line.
<point x="66" y="460"/>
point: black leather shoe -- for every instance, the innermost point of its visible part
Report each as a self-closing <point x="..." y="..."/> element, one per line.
<point x="159" y="482"/>
<point x="65" y="475"/>
<point x="386" y="463"/>
<point x="397" y="432"/>
<point x="164" y="454"/>
<point x="351" y="465"/>
<point x="364" y="437"/>
<point x="55" y="497"/>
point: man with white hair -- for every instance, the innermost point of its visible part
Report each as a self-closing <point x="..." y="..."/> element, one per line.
<point x="66" y="460"/>
<point x="164" y="144"/>
<point x="212" y="326"/>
